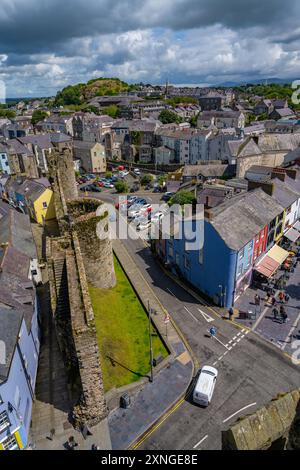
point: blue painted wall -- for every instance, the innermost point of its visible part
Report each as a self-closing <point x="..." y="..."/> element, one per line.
<point x="215" y="266"/>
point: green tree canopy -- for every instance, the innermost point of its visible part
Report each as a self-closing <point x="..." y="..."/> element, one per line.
<point x="121" y="187"/>
<point x="37" y="116"/>
<point x="182" y="198"/>
<point x="146" y="179"/>
<point x="168" y="117"/>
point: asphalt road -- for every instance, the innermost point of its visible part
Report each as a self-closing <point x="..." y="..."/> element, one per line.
<point x="251" y="371"/>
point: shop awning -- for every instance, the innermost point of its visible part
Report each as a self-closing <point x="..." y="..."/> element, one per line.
<point x="297" y="225"/>
<point x="269" y="264"/>
<point x="292" y="235"/>
<point x="278" y="254"/>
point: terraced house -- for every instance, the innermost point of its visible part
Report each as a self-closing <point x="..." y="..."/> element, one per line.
<point x="234" y="241"/>
<point x="19" y="331"/>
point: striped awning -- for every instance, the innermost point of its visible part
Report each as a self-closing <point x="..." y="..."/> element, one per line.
<point x="292" y="235"/>
<point x="297" y="225"/>
<point x="269" y="264"/>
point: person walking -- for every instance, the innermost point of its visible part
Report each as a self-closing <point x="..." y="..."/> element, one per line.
<point x="281" y="296"/>
<point x="283" y="314"/>
<point x="286" y="298"/>
<point x="275" y="313"/>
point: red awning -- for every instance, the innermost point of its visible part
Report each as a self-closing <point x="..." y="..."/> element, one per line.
<point x="267" y="266"/>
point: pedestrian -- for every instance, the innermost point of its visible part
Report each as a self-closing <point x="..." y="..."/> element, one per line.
<point x="281" y="296"/>
<point x="287" y="298"/>
<point x="273" y="301"/>
<point x="257" y="299"/>
<point x="275" y="313"/>
<point x="230" y="311"/>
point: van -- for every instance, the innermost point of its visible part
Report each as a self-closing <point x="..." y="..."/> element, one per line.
<point x="205" y="386"/>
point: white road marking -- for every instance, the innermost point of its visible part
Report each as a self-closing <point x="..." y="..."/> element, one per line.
<point x="238" y="340"/>
<point x="239" y="411"/>
<point x="200" y="442"/>
<point x="290" y="333"/>
<point x="206" y="316"/>
<point x="234" y="338"/>
<point x="217" y="339"/>
<point x="229" y="342"/>
<point x="196" y="319"/>
<point x="260" y="317"/>
<point x="171" y="292"/>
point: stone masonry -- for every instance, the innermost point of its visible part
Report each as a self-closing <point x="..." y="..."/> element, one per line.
<point x="275" y="426"/>
<point x="76" y="258"/>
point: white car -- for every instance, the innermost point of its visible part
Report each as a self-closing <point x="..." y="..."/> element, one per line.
<point x="205" y="386"/>
<point x="144" y="224"/>
<point x="157" y="216"/>
<point x="134" y="211"/>
<point x="137" y="171"/>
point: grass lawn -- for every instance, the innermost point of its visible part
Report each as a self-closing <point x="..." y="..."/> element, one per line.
<point x="122" y="331"/>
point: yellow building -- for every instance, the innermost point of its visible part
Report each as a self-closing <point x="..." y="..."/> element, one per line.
<point x="38" y="199"/>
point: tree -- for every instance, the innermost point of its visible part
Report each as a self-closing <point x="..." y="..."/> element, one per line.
<point x="182" y="198"/>
<point x="168" y="117"/>
<point x="146" y="179"/>
<point x="108" y="174"/>
<point x="112" y="111"/>
<point x="121" y="187"/>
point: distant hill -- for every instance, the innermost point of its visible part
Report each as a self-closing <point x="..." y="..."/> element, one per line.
<point x="81" y="93"/>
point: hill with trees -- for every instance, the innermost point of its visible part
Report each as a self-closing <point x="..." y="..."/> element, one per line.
<point x="81" y="93"/>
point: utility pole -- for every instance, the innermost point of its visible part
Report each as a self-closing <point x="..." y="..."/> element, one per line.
<point x="150" y="343"/>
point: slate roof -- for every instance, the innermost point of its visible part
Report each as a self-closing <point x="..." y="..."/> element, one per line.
<point x="241" y="218"/>
<point x="10" y="320"/>
<point x="284" y="194"/>
<point x="83" y="144"/>
<point x="31" y="189"/>
<point x="15" y="229"/>
<point x="15" y="146"/>
<point x="40" y="140"/>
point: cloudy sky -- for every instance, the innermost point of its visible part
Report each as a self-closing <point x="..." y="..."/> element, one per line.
<point x="48" y="44"/>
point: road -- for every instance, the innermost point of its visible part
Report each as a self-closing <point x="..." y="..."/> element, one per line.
<point x="251" y="371"/>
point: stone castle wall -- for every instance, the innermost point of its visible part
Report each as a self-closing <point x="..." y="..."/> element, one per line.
<point x="75" y="259"/>
<point x="96" y="252"/>
<point x="275" y="426"/>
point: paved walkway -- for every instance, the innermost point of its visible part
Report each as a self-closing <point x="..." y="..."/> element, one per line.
<point x="280" y="334"/>
<point x="170" y="383"/>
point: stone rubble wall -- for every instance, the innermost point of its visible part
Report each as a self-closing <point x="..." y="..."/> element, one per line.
<point x="276" y="424"/>
<point x="87" y="260"/>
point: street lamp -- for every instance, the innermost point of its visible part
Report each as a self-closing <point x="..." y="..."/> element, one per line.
<point x="150" y="343"/>
<point x="221" y="287"/>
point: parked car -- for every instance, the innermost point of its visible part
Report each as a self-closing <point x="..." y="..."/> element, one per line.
<point x="167" y="196"/>
<point x="95" y="188"/>
<point x="157" y="189"/>
<point x="86" y="188"/>
<point x="144" y="224"/>
<point x="131" y="200"/>
<point x="146" y="208"/>
<point x="157" y="216"/>
<point x="205" y="386"/>
<point x="137" y="171"/>
<point x="108" y="185"/>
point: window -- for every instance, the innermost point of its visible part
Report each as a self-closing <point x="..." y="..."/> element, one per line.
<point x="4" y="421"/>
<point x="10" y="443"/>
<point x="242" y="252"/>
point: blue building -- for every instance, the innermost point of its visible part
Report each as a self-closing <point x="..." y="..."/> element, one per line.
<point x="222" y="268"/>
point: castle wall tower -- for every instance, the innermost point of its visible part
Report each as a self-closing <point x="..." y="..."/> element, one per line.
<point x="89" y="224"/>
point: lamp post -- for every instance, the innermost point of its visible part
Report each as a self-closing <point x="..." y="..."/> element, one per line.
<point x="221" y="287"/>
<point x="150" y="343"/>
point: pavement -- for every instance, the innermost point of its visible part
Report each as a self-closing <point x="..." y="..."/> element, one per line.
<point x="280" y="334"/>
<point x="170" y="383"/>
